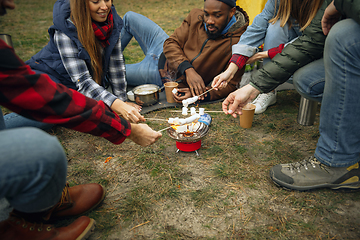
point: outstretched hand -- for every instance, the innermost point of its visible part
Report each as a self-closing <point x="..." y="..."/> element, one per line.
<point x="129" y="111"/>
<point x="234" y="103"/>
<point x="143" y="135"/>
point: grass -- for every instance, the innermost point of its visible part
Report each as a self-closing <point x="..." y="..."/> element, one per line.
<point x="225" y="193"/>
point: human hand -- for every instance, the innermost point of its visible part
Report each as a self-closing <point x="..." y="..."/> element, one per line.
<point x="330" y="17"/>
<point x="182" y="94"/>
<point x="143" y="135"/>
<point x="257" y="56"/>
<point x="195" y="82"/>
<point x="234" y="103"/>
<point x="221" y="80"/>
<point x="127" y="111"/>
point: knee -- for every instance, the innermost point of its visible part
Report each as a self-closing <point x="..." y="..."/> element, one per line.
<point x="52" y="155"/>
<point x="128" y="16"/>
<point x="336" y="39"/>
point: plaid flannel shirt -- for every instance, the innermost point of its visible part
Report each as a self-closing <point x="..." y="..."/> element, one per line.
<point x="80" y="75"/>
<point x="37" y="97"/>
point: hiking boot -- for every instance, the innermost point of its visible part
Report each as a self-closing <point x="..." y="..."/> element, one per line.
<point x="263" y="100"/>
<point x="17" y="228"/>
<point x="311" y="174"/>
<point x="76" y="200"/>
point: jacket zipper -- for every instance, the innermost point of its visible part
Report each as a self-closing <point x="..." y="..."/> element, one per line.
<point x="202" y="48"/>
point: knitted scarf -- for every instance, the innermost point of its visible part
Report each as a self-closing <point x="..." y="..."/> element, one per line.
<point x="103" y="30"/>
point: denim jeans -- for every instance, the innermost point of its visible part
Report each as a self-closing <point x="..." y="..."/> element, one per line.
<point x="151" y="39"/>
<point x="309" y="80"/>
<point x="339" y="141"/>
<point x="32" y="169"/>
<point x="14" y="120"/>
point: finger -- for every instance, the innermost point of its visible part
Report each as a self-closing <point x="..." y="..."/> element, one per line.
<point x="225" y="105"/>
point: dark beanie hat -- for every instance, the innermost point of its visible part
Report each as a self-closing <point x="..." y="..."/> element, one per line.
<point x="231" y="3"/>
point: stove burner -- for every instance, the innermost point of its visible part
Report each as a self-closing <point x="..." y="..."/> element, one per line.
<point x="189" y="141"/>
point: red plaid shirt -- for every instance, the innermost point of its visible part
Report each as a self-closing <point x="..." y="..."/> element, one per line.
<point x="37" y="97"/>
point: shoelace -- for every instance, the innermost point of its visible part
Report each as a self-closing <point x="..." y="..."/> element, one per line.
<point x="304" y="163"/>
<point x="32" y="225"/>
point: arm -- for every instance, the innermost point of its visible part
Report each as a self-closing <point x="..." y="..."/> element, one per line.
<point x="295" y="55"/>
<point x="80" y="75"/>
<point x="37" y="97"/>
<point x="349" y="8"/>
<point x="173" y="51"/>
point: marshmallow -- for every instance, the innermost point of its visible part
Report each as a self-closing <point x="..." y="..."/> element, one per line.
<point x="192" y="111"/>
<point x="174" y="91"/>
<point x="201" y="111"/>
<point x="184" y="111"/>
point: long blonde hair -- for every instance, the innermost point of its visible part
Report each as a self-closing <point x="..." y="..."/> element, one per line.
<point x="80" y="15"/>
<point x="303" y="11"/>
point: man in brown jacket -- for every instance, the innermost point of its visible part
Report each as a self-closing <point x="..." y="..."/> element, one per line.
<point x="193" y="55"/>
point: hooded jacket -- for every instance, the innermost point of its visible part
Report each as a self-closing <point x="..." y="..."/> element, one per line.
<point x="48" y="60"/>
<point x="189" y="46"/>
<point x="307" y="48"/>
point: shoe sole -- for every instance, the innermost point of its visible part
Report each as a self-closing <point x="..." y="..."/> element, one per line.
<point x="351" y="187"/>
<point x="88" y="230"/>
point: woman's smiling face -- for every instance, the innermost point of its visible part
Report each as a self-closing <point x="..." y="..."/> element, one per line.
<point x="99" y="9"/>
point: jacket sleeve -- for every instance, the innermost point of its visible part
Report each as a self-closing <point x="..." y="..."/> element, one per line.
<point x="37" y="97"/>
<point x="254" y="35"/>
<point x="295" y="55"/>
<point x="174" y="45"/>
<point x="349" y="8"/>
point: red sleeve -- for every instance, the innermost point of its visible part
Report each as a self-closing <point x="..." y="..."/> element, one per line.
<point x="273" y="51"/>
<point x="239" y="60"/>
<point x="37" y="97"/>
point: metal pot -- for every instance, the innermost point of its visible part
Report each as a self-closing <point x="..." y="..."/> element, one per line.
<point x="146" y="95"/>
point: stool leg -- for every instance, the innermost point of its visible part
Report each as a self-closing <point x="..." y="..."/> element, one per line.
<point x="307" y="111"/>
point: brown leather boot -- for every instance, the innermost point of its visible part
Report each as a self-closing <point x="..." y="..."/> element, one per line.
<point x="76" y="200"/>
<point x="17" y="228"/>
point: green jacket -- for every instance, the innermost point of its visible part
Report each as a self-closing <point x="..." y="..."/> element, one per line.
<point x="305" y="49"/>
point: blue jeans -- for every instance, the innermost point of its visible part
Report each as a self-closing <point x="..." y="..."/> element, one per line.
<point x="276" y="35"/>
<point x="151" y="39"/>
<point x="309" y="80"/>
<point x="32" y="169"/>
<point x="339" y="142"/>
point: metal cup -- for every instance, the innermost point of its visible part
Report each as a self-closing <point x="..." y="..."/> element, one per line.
<point x="307" y="111"/>
<point x="7" y="39"/>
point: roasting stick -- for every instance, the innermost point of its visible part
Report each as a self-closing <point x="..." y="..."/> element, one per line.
<point x="156" y="119"/>
<point x="164" y="129"/>
<point x="204" y="111"/>
<point x="206" y="92"/>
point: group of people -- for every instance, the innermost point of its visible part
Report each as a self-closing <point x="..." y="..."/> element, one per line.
<point x="79" y="80"/>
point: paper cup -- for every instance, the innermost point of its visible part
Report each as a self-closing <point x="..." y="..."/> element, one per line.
<point x="169" y="86"/>
<point x="247" y="116"/>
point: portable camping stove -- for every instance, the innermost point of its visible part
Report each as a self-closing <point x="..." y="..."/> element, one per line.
<point x="189" y="141"/>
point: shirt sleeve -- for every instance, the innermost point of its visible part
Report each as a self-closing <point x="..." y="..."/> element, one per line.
<point x="78" y="70"/>
<point x="117" y="72"/>
<point x="37" y="97"/>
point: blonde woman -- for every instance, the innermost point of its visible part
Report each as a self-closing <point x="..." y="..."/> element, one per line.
<point x="84" y="53"/>
<point x="279" y="23"/>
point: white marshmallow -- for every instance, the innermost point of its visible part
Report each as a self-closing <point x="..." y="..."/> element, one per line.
<point x="201" y="111"/>
<point x="174" y="91"/>
<point x="192" y="111"/>
<point x="184" y="111"/>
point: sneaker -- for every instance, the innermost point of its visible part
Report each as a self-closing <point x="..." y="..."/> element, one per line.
<point x="311" y="174"/>
<point x="263" y="100"/>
